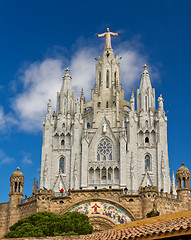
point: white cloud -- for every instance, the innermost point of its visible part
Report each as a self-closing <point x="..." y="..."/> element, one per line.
<point x="4" y="159"/>
<point x="26" y="159"/>
<point x="83" y="70"/>
<point x="6" y="120"/>
<point x="42" y="79"/>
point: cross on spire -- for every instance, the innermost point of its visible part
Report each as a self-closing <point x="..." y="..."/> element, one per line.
<point x="67" y="70"/>
<point x="145" y="67"/>
<point x="182" y="164"/>
<point x="18" y="168"/>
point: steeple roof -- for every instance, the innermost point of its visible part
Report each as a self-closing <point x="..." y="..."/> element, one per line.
<point x="145" y="78"/>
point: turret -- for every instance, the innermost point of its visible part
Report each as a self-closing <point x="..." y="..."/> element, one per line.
<point x="16" y="185"/>
<point x="148" y="196"/>
<point x="15" y="196"/>
<point x="183" y="181"/>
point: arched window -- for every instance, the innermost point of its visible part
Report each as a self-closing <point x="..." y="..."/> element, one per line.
<point x="147" y="162"/>
<point x="107" y="79"/>
<point x="88" y="125"/>
<point x="104" y="150"/>
<point x="99" y="79"/>
<point x="146" y="103"/>
<point x="115" y="80"/>
<point x="62" y="165"/>
<point x="146" y="140"/>
<point x="146" y="123"/>
<point x="98" y="104"/>
<point x="62" y="142"/>
<point x="107" y="105"/>
<point x="15" y="187"/>
<point x="139" y="100"/>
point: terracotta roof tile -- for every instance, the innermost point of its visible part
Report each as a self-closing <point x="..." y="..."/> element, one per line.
<point x="150" y="229"/>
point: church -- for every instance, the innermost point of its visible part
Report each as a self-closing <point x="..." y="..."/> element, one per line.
<point x="106" y="142"/>
<point x="107" y="158"/>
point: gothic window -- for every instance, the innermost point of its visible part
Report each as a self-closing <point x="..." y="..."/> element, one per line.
<point x="146" y="103"/>
<point x="91" y="174"/>
<point x="98" y="104"/>
<point x="103" y="174"/>
<point x="146" y="123"/>
<point x="88" y="125"/>
<point x="99" y="79"/>
<point x="146" y="140"/>
<point x="63" y="125"/>
<point x="62" y="142"/>
<point x="62" y="165"/>
<point x="115" y="80"/>
<point x="107" y="105"/>
<point x="58" y="103"/>
<point x="140" y="101"/>
<point x="107" y="79"/>
<point x="147" y="162"/>
<point x="104" y="149"/>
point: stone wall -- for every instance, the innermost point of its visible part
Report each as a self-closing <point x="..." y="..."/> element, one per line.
<point x="136" y="206"/>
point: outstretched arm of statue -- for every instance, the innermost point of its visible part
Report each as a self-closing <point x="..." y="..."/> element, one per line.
<point x="114" y="34"/>
<point x="101" y="35"/>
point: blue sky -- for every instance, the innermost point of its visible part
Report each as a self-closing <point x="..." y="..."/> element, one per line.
<point x="39" y="39"/>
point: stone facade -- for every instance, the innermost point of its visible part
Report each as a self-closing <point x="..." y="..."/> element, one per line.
<point x="103" y="157"/>
<point x="119" y="205"/>
<point x="105" y="142"/>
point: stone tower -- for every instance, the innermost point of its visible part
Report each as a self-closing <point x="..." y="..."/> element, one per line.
<point x="183" y="183"/>
<point x="105" y="142"/>
<point x="15" y="195"/>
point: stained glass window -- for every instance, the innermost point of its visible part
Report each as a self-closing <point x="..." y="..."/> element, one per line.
<point x="148" y="162"/>
<point x="104" y="149"/>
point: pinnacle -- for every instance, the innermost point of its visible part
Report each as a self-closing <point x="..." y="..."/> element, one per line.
<point x="132" y="93"/>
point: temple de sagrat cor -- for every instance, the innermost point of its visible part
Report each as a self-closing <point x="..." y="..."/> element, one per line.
<point x="106" y="158"/>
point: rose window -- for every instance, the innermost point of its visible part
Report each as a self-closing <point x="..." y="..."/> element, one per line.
<point x="104" y="150"/>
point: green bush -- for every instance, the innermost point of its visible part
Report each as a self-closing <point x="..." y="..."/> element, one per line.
<point x="153" y="213"/>
<point x="44" y="224"/>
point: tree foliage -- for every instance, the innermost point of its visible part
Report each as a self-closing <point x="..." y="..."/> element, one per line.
<point x="153" y="213"/>
<point x="44" y="224"/>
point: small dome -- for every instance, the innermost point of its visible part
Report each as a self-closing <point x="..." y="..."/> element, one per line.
<point x="17" y="173"/>
<point x="183" y="170"/>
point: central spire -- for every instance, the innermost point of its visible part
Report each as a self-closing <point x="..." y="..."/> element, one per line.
<point x="107" y="36"/>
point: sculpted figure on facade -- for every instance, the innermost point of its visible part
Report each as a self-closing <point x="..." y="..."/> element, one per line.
<point x="160" y="102"/>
